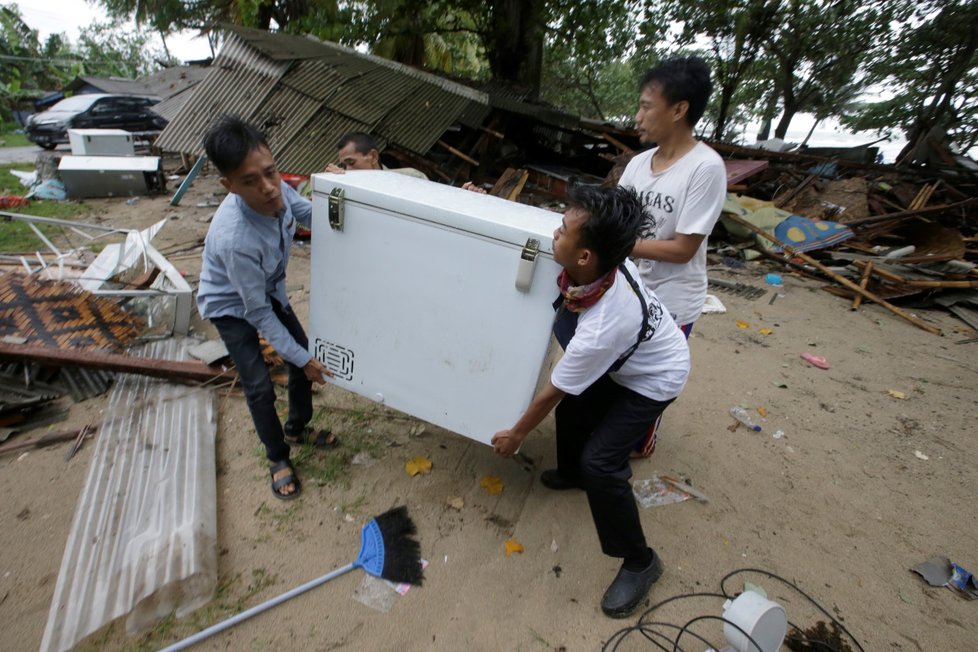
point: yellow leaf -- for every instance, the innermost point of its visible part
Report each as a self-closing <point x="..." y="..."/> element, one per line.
<point x="766" y="331"/>
<point x="418" y="465"/>
<point x="896" y="394"/>
<point x="762" y="411"/>
<point x="512" y="545"/>
<point x="492" y="484"/>
<point x="742" y="324"/>
<point x="456" y="502"/>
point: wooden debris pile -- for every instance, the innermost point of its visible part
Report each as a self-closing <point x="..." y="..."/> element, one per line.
<point x="914" y="228"/>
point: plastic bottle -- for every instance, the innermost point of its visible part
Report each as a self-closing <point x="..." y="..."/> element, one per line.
<point x="742" y="415"/>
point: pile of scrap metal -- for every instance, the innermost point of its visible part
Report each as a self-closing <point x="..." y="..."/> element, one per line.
<point x="62" y="313"/>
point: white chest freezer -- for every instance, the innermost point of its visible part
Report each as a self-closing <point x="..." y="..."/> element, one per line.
<point x="101" y="142"/>
<point x="430" y="299"/>
<point x="111" y="176"/>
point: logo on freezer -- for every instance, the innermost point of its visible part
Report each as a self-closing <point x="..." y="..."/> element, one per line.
<point x="338" y="359"/>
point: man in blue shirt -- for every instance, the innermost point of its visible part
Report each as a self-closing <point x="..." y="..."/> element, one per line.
<point x="242" y="289"/>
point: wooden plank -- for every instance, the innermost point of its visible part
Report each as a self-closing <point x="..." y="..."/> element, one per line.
<point x="190" y="372"/>
<point x="740" y="169"/>
<point x="510" y="184"/>
<point x="462" y="155"/>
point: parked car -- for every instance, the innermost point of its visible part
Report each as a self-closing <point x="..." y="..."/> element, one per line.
<point x="93" y="111"/>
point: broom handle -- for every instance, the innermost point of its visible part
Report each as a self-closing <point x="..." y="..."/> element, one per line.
<point x="257" y="609"/>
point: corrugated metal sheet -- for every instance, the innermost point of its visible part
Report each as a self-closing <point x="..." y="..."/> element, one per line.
<point x="240" y="79"/>
<point x="144" y="537"/>
<point x="306" y="94"/>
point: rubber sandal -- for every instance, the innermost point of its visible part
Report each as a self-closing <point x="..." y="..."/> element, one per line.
<point x="291" y="478"/>
<point x="815" y="360"/>
<point x="325" y="439"/>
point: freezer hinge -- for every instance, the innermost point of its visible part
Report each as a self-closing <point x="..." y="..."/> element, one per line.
<point x="336" y="209"/>
<point x="528" y="259"/>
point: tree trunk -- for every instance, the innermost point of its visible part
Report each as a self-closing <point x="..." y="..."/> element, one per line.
<point x="768" y="116"/>
<point x="726" y="94"/>
<point x="515" y="44"/>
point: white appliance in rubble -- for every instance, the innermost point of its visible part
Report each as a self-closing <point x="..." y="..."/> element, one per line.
<point x="111" y="176"/>
<point x="432" y="300"/>
<point x="101" y="142"/>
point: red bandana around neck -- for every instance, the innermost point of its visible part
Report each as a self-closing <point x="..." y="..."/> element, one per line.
<point x="581" y="297"/>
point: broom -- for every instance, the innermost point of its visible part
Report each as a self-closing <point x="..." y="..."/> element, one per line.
<point x="387" y="550"/>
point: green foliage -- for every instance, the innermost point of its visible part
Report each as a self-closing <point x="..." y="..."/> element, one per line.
<point x="933" y="71"/>
<point x="116" y="52"/>
<point x="30" y="68"/>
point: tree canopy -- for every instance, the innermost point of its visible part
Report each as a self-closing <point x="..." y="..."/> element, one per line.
<point x="771" y="59"/>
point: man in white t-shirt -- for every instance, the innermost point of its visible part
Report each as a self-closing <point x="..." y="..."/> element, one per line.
<point x="682" y="183"/>
<point x="624" y="361"/>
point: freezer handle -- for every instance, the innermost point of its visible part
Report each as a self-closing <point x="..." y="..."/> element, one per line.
<point x="528" y="259"/>
<point x="336" y="209"/>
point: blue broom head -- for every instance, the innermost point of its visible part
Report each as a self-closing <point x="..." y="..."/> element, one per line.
<point x="388" y="548"/>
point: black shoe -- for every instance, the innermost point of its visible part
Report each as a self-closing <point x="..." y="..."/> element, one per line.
<point x="551" y="479"/>
<point x="630" y="588"/>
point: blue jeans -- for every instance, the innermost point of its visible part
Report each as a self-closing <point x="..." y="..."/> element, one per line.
<point x="241" y="340"/>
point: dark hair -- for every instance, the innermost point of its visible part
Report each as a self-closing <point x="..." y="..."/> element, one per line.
<point x="686" y="79"/>
<point x="229" y="141"/>
<point x="363" y="142"/>
<point x="614" y="217"/>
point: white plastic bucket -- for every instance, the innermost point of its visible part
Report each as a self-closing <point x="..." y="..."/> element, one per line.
<point x="765" y="621"/>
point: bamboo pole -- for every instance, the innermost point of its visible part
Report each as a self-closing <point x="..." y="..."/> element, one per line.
<point x="46" y="440"/>
<point x="842" y="280"/>
<point x="863" y="283"/>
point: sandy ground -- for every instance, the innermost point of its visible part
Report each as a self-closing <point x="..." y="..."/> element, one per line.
<point x="842" y="505"/>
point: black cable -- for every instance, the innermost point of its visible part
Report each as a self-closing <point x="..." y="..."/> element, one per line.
<point x="796" y="588"/>
<point x="685" y="629"/>
<point x="645" y="628"/>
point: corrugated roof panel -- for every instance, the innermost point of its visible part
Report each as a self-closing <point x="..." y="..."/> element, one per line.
<point x="358" y="97"/>
<point x="355" y="92"/>
<point x="171" y="107"/>
<point x="314" y="146"/>
<point x="421" y="119"/>
<point x="239" y="81"/>
<point x="313" y="78"/>
<point x="283" y="114"/>
<point x="281" y="47"/>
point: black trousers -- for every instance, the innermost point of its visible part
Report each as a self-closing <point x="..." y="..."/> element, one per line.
<point x="241" y="340"/>
<point x="596" y="432"/>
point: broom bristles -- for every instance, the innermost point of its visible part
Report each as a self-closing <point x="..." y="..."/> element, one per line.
<point x="402" y="552"/>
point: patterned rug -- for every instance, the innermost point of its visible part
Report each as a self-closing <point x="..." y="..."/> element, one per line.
<point x="61" y="315"/>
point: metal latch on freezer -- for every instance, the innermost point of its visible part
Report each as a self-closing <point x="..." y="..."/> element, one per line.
<point x="336" y="209"/>
<point x="528" y="259"/>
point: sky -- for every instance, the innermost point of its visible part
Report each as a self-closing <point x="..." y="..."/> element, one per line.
<point x="68" y="16"/>
<point x="54" y="16"/>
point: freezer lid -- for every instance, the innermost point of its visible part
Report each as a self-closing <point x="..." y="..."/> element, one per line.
<point x="110" y="163"/>
<point x="484" y="215"/>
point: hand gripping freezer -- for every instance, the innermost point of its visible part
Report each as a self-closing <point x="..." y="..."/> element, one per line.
<point x="430" y="299"/>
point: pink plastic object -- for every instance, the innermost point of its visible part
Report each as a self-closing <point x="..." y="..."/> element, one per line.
<point x="815" y="360"/>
